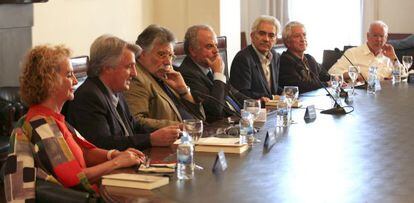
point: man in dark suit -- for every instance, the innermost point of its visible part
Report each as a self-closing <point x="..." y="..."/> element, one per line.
<point x="203" y="70"/>
<point x="255" y="69"/>
<point x="296" y="67"/>
<point x="100" y="112"/>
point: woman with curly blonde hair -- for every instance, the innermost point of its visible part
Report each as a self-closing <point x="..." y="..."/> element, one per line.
<point x="43" y="145"/>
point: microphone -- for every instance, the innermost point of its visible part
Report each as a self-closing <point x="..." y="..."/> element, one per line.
<point x="204" y="96"/>
<point x="365" y="81"/>
<point x="337" y="109"/>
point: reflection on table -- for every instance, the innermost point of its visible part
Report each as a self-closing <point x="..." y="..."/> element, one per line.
<point x="365" y="156"/>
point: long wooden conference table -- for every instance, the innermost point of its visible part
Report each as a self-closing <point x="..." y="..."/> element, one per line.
<point x="364" y="156"/>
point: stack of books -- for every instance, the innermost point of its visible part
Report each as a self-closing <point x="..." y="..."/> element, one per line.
<point x="139" y="181"/>
<point x="215" y="144"/>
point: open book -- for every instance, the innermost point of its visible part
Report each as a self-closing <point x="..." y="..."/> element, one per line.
<point x="134" y="181"/>
<point x="215" y="144"/>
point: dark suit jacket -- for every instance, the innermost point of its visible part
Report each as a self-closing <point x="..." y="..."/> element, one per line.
<point x="200" y="83"/>
<point x="93" y="115"/>
<point x="293" y="73"/>
<point x="248" y="77"/>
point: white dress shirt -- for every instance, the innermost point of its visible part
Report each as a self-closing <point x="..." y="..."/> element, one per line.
<point x="361" y="56"/>
<point x="217" y="76"/>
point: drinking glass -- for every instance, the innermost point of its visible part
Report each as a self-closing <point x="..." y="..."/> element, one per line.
<point x="252" y="106"/>
<point x="336" y="81"/>
<point x="407" y="62"/>
<point x="353" y="72"/>
<point x="291" y="94"/>
<point x="194" y="128"/>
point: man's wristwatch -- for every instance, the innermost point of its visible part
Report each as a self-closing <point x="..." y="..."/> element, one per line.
<point x="185" y="91"/>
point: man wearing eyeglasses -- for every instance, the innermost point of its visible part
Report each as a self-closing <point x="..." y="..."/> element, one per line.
<point x="255" y="69"/>
<point x="375" y="50"/>
<point x="158" y="95"/>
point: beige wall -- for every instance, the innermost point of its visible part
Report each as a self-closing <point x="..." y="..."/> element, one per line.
<point x="77" y="23"/>
<point x="178" y="15"/>
<point x="397" y="14"/>
<point x="222" y="15"/>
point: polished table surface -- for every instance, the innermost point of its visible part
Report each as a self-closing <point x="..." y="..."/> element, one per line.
<point x="364" y="156"/>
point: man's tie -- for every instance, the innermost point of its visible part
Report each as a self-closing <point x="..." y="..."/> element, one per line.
<point x="210" y="76"/>
<point x="232" y="103"/>
<point x="229" y="101"/>
<point x="124" y="122"/>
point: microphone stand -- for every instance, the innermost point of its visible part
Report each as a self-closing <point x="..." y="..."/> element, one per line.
<point x="365" y="81"/>
<point x="337" y="109"/>
<point x="203" y="95"/>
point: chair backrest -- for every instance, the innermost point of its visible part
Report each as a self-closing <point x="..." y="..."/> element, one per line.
<point x="396" y="36"/>
<point x="329" y="58"/>
<point x="221" y="45"/>
<point x="80" y="67"/>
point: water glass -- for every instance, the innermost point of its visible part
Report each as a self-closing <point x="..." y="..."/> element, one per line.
<point x="252" y="106"/>
<point x="336" y="83"/>
<point x="353" y="72"/>
<point x="291" y="95"/>
<point x="194" y="128"/>
<point x="407" y="62"/>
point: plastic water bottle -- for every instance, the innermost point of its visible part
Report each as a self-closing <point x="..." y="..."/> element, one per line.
<point x="396" y="73"/>
<point x="246" y="127"/>
<point x="185" y="158"/>
<point x="372" y="79"/>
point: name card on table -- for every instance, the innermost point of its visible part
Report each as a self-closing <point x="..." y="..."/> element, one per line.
<point x="310" y="114"/>
<point x="270" y="140"/>
<point x="220" y="164"/>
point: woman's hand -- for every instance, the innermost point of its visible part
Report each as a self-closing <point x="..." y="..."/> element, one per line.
<point x="130" y="150"/>
<point x="128" y="158"/>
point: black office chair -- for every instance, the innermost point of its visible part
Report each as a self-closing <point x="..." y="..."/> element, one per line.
<point x="221" y="45"/>
<point x="329" y="58"/>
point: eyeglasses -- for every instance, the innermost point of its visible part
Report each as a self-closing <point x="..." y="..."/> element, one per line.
<point x="165" y="55"/>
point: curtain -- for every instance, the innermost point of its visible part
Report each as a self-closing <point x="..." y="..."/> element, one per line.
<point x="251" y="9"/>
<point x="279" y="9"/>
<point x="369" y="14"/>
